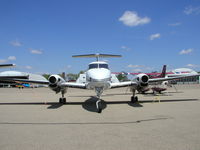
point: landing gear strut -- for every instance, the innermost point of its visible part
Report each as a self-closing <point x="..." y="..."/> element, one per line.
<point x="99" y="105"/>
<point x="134" y="98"/>
<point x="62" y="100"/>
<point x="99" y="91"/>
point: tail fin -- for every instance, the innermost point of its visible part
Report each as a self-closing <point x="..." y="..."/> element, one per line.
<point x="163" y="74"/>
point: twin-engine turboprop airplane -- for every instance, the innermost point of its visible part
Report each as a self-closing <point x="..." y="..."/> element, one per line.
<point x="98" y="77"/>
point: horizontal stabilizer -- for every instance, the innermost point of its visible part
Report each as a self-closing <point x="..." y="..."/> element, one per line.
<point x="7" y="65"/>
<point x="97" y="55"/>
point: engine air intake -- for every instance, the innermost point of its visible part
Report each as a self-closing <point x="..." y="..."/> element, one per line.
<point x="52" y="79"/>
<point x="144" y="79"/>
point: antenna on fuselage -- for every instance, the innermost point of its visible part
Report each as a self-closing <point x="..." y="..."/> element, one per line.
<point x="97" y="55"/>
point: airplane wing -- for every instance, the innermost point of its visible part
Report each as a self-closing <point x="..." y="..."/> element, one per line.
<point x="132" y="83"/>
<point x="25" y="81"/>
<point x="123" y="84"/>
<point x="171" y="78"/>
<point x="64" y="84"/>
<point x="74" y="85"/>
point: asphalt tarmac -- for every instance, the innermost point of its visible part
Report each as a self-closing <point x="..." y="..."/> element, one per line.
<point x="33" y="119"/>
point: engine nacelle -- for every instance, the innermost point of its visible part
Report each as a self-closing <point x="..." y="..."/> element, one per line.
<point x="55" y="83"/>
<point x="142" y="83"/>
<point x="142" y="80"/>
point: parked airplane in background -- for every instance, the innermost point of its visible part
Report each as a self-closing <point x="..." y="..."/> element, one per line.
<point x="14" y="74"/>
<point x="162" y="86"/>
<point x="153" y="76"/>
<point x="164" y="73"/>
<point x="18" y="75"/>
<point x="98" y="77"/>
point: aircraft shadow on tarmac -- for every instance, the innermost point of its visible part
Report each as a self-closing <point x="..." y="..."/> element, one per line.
<point x="90" y="104"/>
<point x="128" y="93"/>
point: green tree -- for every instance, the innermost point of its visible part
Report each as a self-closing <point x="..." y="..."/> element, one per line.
<point x="46" y="75"/>
<point x="122" y="77"/>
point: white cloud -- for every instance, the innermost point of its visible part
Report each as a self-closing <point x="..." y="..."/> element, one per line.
<point x="192" y="65"/>
<point x="175" y="24"/>
<point x="3" y="60"/>
<point x="137" y="70"/>
<point x="28" y="67"/>
<point x="154" y="36"/>
<point x="192" y="10"/>
<point x="134" y="66"/>
<point x="16" y="43"/>
<point x="69" y="66"/>
<point x="12" y="58"/>
<point x="36" y="51"/>
<point x="186" y="51"/>
<point x="125" y="48"/>
<point x="131" y="19"/>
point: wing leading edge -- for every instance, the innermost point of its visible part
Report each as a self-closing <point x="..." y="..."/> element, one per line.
<point x="123" y="84"/>
<point x="64" y="84"/>
<point x="74" y="85"/>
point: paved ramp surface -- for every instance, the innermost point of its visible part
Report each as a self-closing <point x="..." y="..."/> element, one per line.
<point x="33" y="119"/>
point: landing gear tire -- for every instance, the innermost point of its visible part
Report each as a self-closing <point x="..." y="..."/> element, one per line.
<point x="62" y="100"/>
<point x="134" y="99"/>
<point x="99" y="106"/>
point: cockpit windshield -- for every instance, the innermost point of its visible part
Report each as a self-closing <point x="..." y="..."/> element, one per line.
<point x="92" y="66"/>
<point x="103" y="66"/>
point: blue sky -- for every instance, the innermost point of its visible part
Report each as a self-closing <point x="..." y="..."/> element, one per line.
<point x="41" y="36"/>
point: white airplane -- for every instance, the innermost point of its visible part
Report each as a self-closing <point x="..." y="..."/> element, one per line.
<point x="98" y="77"/>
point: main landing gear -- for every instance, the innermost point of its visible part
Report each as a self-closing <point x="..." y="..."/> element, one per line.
<point x="134" y="98"/>
<point x="62" y="100"/>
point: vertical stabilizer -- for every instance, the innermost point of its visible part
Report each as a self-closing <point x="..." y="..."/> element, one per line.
<point x="163" y="74"/>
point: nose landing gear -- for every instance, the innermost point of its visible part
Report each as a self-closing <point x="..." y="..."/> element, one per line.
<point x="99" y="105"/>
<point x="99" y="91"/>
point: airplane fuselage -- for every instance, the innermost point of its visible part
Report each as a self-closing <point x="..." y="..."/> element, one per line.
<point x="98" y="77"/>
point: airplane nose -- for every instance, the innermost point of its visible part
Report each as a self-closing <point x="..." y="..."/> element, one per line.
<point x="99" y="75"/>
